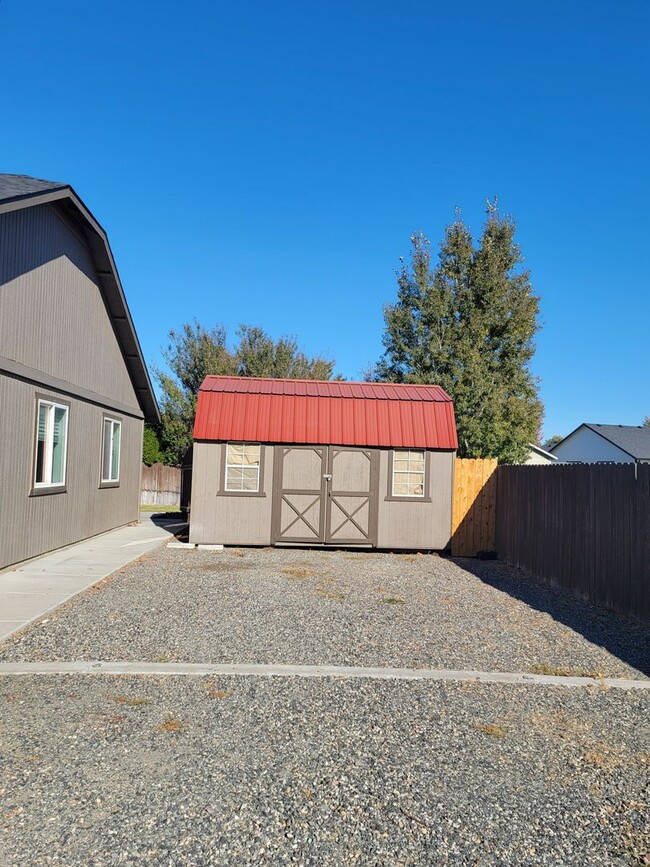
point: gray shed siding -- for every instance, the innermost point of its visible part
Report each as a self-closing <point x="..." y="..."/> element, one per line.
<point x="227" y="520"/>
<point x="234" y="520"/>
<point x="52" y="315"/>
<point x="32" y="525"/>
<point x="418" y="525"/>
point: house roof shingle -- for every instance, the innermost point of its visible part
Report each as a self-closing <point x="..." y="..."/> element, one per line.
<point x="19" y="186"/>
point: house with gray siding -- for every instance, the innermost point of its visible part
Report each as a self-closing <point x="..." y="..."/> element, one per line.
<point x="610" y="443"/>
<point x="74" y="387"/>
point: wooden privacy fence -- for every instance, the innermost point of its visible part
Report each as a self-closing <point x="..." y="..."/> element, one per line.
<point x="160" y="485"/>
<point x="584" y="527"/>
<point x="474" y="511"/>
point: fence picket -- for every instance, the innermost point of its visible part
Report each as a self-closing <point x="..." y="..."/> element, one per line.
<point x="583" y="527"/>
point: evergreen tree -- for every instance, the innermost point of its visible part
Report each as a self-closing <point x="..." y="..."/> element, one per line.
<point x="151" y="452"/>
<point x="468" y="324"/>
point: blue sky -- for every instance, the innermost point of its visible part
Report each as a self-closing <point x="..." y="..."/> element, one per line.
<point x="267" y="162"/>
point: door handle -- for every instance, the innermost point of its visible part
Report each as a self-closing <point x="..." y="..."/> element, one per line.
<point x="327" y="477"/>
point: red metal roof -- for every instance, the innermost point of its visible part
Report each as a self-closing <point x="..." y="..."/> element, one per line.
<point x="310" y="411"/>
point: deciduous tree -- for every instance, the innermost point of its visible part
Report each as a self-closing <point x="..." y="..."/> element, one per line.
<point x="194" y="352"/>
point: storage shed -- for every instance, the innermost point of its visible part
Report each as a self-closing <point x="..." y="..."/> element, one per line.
<point x="304" y="462"/>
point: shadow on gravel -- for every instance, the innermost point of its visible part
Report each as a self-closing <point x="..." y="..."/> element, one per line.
<point x="624" y="637"/>
<point x="171" y="521"/>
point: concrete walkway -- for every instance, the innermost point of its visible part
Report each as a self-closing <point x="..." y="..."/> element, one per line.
<point x="184" y="669"/>
<point x="37" y="586"/>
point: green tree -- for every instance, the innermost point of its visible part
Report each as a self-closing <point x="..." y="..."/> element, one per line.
<point x="151" y="452"/>
<point x="194" y="352"/>
<point x="646" y="421"/>
<point x="468" y="324"/>
<point x="257" y="354"/>
<point x="552" y="441"/>
<point x="191" y="354"/>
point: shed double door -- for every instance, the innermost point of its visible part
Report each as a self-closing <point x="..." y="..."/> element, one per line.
<point x="325" y="495"/>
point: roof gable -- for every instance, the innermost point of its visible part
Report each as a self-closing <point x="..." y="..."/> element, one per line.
<point x="314" y="411"/>
<point x="22" y="191"/>
<point x="633" y="439"/>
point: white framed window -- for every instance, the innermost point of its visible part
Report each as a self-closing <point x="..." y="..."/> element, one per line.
<point x="243" y="467"/>
<point x="111" y="443"/>
<point x="51" y="444"/>
<point x="408" y="473"/>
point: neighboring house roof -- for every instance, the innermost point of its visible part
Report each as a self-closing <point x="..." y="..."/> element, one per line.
<point x="313" y="411"/>
<point x="541" y="452"/>
<point x="632" y="439"/>
<point x="22" y="191"/>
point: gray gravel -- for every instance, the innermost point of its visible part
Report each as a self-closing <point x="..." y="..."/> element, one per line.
<point x="335" y="608"/>
<point x="246" y="771"/>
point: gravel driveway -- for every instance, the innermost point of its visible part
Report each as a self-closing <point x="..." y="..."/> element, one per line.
<point x="100" y="771"/>
<point x="337" y="608"/>
<point x="184" y="770"/>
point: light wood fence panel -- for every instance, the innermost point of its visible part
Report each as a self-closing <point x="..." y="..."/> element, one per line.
<point x="475" y="504"/>
<point x="160" y="486"/>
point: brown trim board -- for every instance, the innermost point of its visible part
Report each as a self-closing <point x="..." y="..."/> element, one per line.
<point x="44" y="380"/>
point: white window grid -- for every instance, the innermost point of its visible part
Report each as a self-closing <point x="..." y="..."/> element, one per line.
<point x="243" y="467"/>
<point x="408" y="473"/>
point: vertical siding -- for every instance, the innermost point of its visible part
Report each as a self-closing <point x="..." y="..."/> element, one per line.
<point x="247" y="520"/>
<point x="52" y="315"/>
<point x="582" y="527"/>
<point x="227" y="520"/>
<point x="417" y="525"/>
<point x="33" y="525"/>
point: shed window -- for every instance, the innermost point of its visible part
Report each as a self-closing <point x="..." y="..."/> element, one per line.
<point x="243" y="466"/>
<point x="111" y="450"/>
<point x="51" y="445"/>
<point x="408" y="473"/>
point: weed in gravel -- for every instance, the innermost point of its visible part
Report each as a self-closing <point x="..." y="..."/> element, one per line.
<point x="220" y="566"/>
<point x="326" y="593"/>
<point x="299" y="573"/>
<point x="219" y="693"/>
<point x="600" y="755"/>
<point x="393" y="600"/>
<point x="635" y="845"/>
<point x="493" y="729"/>
<point x="130" y="701"/>
<point x="163" y="657"/>
<point x="236" y="552"/>
<point x="171" y="725"/>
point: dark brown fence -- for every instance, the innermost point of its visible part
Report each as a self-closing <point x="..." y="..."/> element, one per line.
<point x="585" y="528"/>
<point x="160" y="486"/>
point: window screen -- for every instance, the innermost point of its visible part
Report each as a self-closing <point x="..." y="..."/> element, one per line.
<point x="243" y="467"/>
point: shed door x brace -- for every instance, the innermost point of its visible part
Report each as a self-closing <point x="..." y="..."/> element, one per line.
<point x="325" y="495"/>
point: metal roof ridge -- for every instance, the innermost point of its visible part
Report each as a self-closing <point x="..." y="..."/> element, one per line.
<point x="350" y="390"/>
